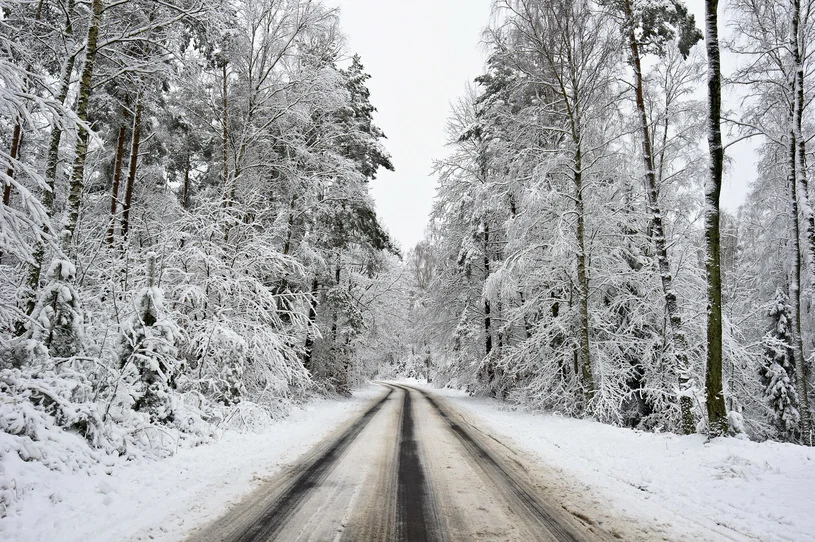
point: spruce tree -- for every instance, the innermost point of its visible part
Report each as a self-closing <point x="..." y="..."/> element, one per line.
<point x="778" y="369"/>
<point x="58" y="319"/>
<point x="148" y="350"/>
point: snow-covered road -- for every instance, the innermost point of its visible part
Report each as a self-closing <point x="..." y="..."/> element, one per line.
<point x="651" y="486"/>
<point x="427" y="464"/>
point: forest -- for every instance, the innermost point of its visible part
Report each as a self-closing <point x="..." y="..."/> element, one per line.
<point x="188" y="239"/>
<point x="577" y="258"/>
<point x="187" y="233"/>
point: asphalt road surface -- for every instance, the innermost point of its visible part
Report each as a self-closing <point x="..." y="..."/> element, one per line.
<point x="410" y="468"/>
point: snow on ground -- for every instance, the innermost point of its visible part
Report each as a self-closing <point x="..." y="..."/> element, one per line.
<point x="683" y="486"/>
<point x="164" y="499"/>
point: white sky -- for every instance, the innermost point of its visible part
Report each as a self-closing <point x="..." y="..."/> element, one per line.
<point x="421" y="54"/>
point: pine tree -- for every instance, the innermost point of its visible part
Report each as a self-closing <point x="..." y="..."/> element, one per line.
<point x="648" y="29"/>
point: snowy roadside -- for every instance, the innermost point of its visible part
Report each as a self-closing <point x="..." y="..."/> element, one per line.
<point x="165" y="499"/>
<point x="683" y="487"/>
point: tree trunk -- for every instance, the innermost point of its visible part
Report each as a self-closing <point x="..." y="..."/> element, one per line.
<point x="801" y="194"/>
<point x="795" y="294"/>
<point x="51" y="164"/>
<point x="83" y="101"/>
<point x="716" y="409"/>
<point x="131" y="174"/>
<point x="185" y="197"/>
<point x="14" y="154"/>
<point x="584" y="348"/>
<point x="225" y="141"/>
<point x="289" y="227"/>
<point x="312" y="318"/>
<point x="335" y="314"/>
<point x="657" y="230"/>
<point x="117" y="177"/>
<point x="487" y="322"/>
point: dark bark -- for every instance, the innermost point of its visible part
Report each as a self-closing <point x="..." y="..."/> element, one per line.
<point x="225" y="140"/>
<point x="131" y="174"/>
<point x="185" y="196"/>
<point x="716" y="409"/>
<point x="117" y="177"/>
<point x="312" y="318"/>
<point x="487" y="322"/>
<point x="290" y="227"/>
<point x="14" y="154"/>
<point x="16" y="137"/>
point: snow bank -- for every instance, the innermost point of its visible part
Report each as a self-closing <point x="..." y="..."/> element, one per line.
<point x="160" y="499"/>
<point x="682" y="486"/>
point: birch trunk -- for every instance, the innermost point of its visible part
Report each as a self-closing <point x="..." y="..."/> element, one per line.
<point x="77" y="182"/>
<point x="803" y="208"/>
<point x="584" y="348"/>
<point x="795" y="292"/>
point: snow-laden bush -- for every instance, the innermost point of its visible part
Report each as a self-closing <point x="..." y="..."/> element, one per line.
<point x="219" y="355"/>
<point x="148" y="350"/>
<point x="47" y="417"/>
<point x="35" y="401"/>
<point x="58" y="321"/>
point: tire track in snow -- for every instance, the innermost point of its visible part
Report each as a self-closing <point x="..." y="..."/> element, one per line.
<point x="495" y="470"/>
<point x="274" y="516"/>
<point x="415" y="517"/>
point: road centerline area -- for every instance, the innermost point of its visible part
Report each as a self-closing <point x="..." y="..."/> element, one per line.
<point x="413" y="518"/>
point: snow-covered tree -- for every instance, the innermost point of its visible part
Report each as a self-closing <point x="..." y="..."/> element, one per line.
<point x="148" y="353"/>
<point x="58" y="319"/>
<point x="778" y="370"/>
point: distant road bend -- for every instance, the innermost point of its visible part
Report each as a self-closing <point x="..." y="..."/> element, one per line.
<point x="409" y="468"/>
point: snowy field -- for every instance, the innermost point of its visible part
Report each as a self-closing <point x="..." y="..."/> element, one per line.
<point x="690" y="489"/>
<point x="165" y="499"/>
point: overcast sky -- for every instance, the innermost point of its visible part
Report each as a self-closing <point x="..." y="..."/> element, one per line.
<point x="421" y="54"/>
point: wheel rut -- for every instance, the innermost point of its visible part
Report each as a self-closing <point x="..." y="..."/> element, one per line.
<point x="274" y="516"/>
<point x="496" y="470"/>
<point x="416" y="519"/>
